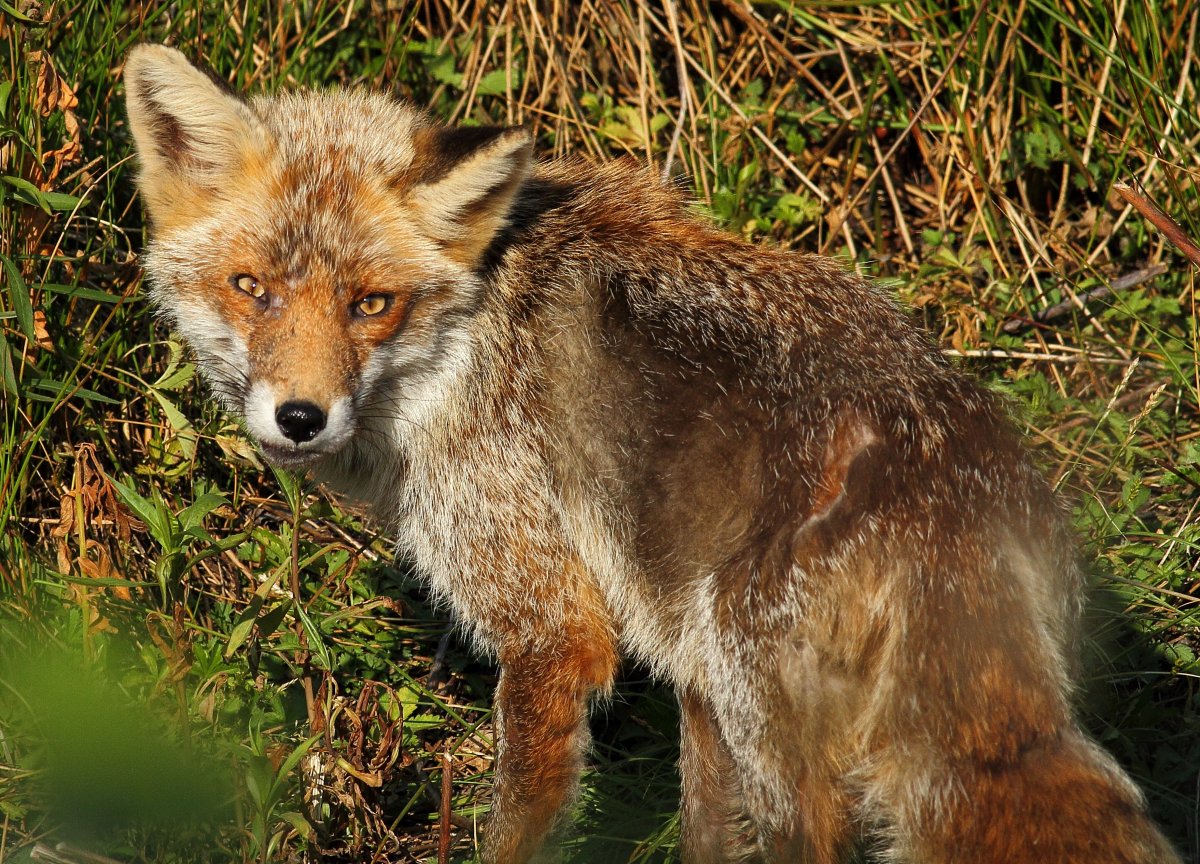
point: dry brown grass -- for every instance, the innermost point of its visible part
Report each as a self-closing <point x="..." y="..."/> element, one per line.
<point x="965" y="154"/>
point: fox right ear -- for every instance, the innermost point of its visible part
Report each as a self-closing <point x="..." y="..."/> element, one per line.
<point x="191" y="134"/>
<point x="471" y="178"/>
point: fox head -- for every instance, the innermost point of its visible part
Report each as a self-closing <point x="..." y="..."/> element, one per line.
<point x="318" y="251"/>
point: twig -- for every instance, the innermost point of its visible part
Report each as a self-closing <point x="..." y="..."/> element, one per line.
<point x="444" y="832"/>
<point x="1004" y="354"/>
<point x="1176" y="103"/>
<point x="684" y="87"/>
<point x="901" y="223"/>
<point x="64" y="854"/>
<point x="1121" y="283"/>
<point x="786" y="160"/>
<point x="1158" y="218"/>
<point x="848" y="207"/>
<point x="751" y="20"/>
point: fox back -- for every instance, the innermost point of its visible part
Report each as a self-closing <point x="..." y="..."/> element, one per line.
<point x="599" y="427"/>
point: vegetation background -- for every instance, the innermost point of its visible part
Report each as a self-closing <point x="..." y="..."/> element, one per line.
<point x="200" y="661"/>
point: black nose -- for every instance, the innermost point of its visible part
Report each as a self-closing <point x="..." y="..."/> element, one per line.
<point x="300" y="421"/>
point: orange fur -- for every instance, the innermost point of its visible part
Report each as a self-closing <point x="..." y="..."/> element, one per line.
<point x="598" y="425"/>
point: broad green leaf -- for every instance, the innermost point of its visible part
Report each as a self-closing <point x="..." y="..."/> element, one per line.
<point x="269" y="621"/>
<point x="193" y="515"/>
<point x="494" y="83"/>
<point x="147" y="510"/>
<point x="7" y="372"/>
<point x="295" y="756"/>
<point x="12" y="12"/>
<point x="242" y="627"/>
<point x="176" y="377"/>
<point x="175" y="417"/>
<point x="18" y="295"/>
<point x="48" y="201"/>
<point x="302" y="825"/>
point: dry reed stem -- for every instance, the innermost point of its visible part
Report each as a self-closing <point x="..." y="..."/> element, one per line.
<point x="1171" y="229"/>
<point x="444" y="810"/>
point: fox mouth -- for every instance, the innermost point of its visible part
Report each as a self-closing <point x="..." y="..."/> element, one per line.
<point x="292" y="456"/>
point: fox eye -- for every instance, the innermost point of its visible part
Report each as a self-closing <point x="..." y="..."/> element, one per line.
<point x="372" y="304"/>
<point x="248" y="284"/>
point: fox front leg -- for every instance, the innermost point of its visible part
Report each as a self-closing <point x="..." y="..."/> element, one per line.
<point x="541" y="730"/>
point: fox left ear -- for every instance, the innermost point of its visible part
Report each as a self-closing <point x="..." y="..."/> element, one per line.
<point x="467" y="183"/>
<point x="192" y="134"/>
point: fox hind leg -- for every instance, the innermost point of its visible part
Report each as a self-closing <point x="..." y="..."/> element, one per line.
<point x="715" y="829"/>
<point x="819" y="834"/>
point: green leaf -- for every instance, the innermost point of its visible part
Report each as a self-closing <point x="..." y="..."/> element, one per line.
<point x="619" y="131"/>
<point x="796" y="209"/>
<point x="192" y="516"/>
<point x="316" y="643"/>
<point x="7" y="372"/>
<point x="106" y="581"/>
<point x="12" y="809"/>
<point x="269" y="621"/>
<point x="441" y="68"/>
<point x="240" y="631"/>
<point x="409" y="700"/>
<point x="495" y="83"/>
<point x="295" y="756"/>
<point x="151" y="512"/>
<point x="256" y="794"/>
<point x="168" y="379"/>
<point x="82" y="292"/>
<point x="18" y="295"/>
<point x="58" y="389"/>
<point x="176" y="377"/>
<point x="291" y="486"/>
<point x="185" y="434"/>
<point x="268" y="585"/>
<point x="175" y="417"/>
<point x="302" y="826"/>
<point x="61" y="201"/>
<point x="19" y="16"/>
<point x="27" y="193"/>
<point x="422" y="722"/>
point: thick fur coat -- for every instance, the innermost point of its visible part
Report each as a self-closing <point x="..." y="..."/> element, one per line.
<point x="599" y="427"/>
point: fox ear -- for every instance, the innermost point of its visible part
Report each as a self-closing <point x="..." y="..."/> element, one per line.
<point x="191" y="134"/>
<point x="468" y="179"/>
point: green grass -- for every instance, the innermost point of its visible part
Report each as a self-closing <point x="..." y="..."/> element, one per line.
<point x="163" y="695"/>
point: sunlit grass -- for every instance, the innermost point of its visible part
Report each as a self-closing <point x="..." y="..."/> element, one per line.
<point x="146" y="556"/>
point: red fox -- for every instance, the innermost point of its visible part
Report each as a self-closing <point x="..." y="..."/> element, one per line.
<point x="600" y="426"/>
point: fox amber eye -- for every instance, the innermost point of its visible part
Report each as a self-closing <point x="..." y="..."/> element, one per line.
<point x="247" y="283"/>
<point x="372" y="304"/>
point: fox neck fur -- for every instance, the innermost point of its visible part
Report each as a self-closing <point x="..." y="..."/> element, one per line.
<point x="599" y="425"/>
